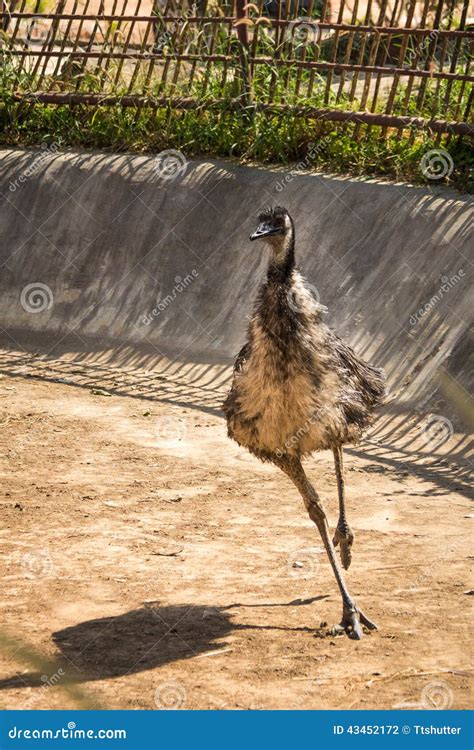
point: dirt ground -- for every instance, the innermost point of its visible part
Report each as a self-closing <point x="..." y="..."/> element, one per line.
<point x="157" y="565"/>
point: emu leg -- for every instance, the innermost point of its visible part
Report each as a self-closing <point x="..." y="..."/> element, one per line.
<point x="352" y="616"/>
<point x="343" y="535"/>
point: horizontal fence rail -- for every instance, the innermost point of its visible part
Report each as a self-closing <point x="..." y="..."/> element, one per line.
<point x="398" y="64"/>
<point x="134" y="100"/>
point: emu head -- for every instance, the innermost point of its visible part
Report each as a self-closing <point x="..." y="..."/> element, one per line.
<point x="276" y="228"/>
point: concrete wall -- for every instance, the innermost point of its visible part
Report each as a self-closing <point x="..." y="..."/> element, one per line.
<point x="110" y="238"/>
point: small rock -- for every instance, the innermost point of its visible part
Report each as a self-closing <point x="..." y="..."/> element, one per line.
<point x="168" y="551"/>
<point x="297" y="564"/>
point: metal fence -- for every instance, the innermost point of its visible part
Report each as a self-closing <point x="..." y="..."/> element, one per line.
<point x="390" y="63"/>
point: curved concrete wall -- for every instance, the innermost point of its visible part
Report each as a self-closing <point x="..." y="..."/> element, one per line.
<point x="167" y="265"/>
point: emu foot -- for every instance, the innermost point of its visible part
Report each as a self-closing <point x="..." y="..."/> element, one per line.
<point x="344" y="537"/>
<point x="352" y="621"/>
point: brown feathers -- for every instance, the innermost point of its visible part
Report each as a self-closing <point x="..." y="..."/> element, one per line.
<point x="297" y="387"/>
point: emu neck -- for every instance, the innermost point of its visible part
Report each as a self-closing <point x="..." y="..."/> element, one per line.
<point x="282" y="261"/>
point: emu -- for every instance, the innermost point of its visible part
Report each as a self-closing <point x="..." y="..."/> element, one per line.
<point x="298" y="388"/>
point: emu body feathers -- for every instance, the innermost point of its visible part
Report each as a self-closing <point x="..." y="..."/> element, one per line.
<point x="297" y="387"/>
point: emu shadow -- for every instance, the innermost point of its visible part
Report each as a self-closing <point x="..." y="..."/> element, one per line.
<point x="136" y="641"/>
<point x="141" y="639"/>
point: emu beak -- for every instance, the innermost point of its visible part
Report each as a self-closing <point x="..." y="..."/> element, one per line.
<point x="264" y="230"/>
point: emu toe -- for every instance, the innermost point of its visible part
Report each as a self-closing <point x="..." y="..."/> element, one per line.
<point x="344" y="538"/>
<point x="352" y="621"/>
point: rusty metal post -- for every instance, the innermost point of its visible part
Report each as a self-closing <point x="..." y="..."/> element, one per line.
<point x="243" y="37"/>
<point x="6" y="10"/>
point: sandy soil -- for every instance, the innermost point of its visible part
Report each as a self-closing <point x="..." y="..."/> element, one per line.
<point x="158" y="565"/>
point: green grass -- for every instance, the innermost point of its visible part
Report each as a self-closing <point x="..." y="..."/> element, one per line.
<point x="215" y="131"/>
<point x="264" y="139"/>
